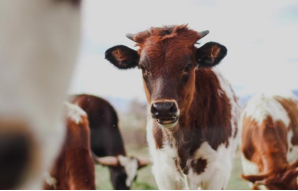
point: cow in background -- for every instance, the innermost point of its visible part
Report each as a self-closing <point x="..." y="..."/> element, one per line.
<point x="39" y="42"/>
<point x="193" y="112"/>
<point x="106" y="141"/>
<point x="269" y="142"/>
<point x="74" y="167"/>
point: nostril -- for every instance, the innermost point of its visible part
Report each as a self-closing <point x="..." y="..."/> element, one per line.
<point x="14" y="155"/>
<point x="173" y="109"/>
<point x="154" y="109"/>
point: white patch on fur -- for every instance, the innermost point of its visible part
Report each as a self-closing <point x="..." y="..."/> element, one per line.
<point x="249" y="167"/>
<point x="261" y="106"/>
<point x="38" y="49"/>
<point x="74" y="112"/>
<point x="292" y="153"/>
<point x="131" y="168"/>
<point x="164" y="168"/>
<point x="218" y="170"/>
<point x="50" y="180"/>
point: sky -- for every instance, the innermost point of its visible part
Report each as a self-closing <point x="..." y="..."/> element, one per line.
<point x="261" y="38"/>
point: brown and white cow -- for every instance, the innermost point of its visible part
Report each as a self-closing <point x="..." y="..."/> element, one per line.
<point x="39" y="42"/>
<point x="74" y="167"/>
<point x="193" y="112"/>
<point x="107" y="143"/>
<point x="269" y="142"/>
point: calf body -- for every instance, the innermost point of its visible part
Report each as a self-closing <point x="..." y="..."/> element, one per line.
<point x="270" y="141"/>
<point x="193" y="112"/>
<point x="201" y="149"/>
<point x="106" y="139"/>
<point x="74" y="167"/>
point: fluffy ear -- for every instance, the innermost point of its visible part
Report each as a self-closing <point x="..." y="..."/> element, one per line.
<point x="210" y="54"/>
<point x="122" y="57"/>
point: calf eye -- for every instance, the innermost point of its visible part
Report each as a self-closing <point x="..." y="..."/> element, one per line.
<point x="188" y="67"/>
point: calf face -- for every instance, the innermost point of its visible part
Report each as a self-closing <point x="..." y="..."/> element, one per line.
<point x="168" y="60"/>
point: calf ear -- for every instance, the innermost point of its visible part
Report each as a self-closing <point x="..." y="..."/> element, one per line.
<point x="210" y="54"/>
<point x="122" y="57"/>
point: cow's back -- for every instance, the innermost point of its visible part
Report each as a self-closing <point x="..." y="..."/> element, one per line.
<point x="106" y="138"/>
<point x="74" y="167"/>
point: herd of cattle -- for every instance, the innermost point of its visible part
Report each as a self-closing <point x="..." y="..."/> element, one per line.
<point x="194" y="119"/>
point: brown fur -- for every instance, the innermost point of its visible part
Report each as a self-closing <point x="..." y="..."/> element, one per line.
<point x="205" y="115"/>
<point x="291" y="107"/>
<point x="199" y="165"/>
<point x="74" y="168"/>
<point x="266" y="145"/>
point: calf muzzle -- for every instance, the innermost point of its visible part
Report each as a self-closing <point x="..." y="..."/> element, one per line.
<point x="165" y="112"/>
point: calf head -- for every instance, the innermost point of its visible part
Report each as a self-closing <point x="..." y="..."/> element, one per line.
<point x="130" y="166"/>
<point x="168" y="60"/>
<point x="277" y="180"/>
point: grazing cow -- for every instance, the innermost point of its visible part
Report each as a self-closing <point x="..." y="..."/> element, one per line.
<point x="270" y="142"/>
<point x="38" y="46"/>
<point x="193" y="112"/>
<point x="74" y="167"/>
<point x="106" y="140"/>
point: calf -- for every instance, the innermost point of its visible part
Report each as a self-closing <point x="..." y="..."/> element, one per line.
<point x="74" y="167"/>
<point x="38" y="46"/>
<point x="270" y="142"/>
<point x="106" y="140"/>
<point x="193" y="112"/>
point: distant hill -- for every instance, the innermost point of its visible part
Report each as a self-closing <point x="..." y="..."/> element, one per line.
<point x="295" y="92"/>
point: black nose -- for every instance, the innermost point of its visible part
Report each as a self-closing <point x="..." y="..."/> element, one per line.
<point x="14" y="154"/>
<point x="164" y="110"/>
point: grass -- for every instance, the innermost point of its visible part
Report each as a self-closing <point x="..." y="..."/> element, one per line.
<point x="145" y="179"/>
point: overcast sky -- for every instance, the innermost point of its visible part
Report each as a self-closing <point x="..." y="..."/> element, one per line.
<point x="261" y="37"/>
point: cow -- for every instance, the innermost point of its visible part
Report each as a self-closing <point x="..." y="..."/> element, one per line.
<point x="39" y="42"/>
<point x="193" y="112"/>
<point x="269" y="141"/>
<point x="106" y="141"/>
<point x="74" y="167"/>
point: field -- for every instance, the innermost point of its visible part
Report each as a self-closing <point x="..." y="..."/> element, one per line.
<point x="145" y="180"/>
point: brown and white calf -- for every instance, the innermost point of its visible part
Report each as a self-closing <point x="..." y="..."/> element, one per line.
<point x="107" y="143"/>
<point x="269" y="141"/>
<point x="74" y="167"/>
<point x="38" y="46"/>
<point x="193" y="112"/>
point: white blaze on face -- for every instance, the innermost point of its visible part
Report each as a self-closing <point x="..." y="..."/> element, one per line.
<point x="131" y="168"/>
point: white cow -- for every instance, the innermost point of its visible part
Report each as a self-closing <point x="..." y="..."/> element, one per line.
<point x="39" y="42"/>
